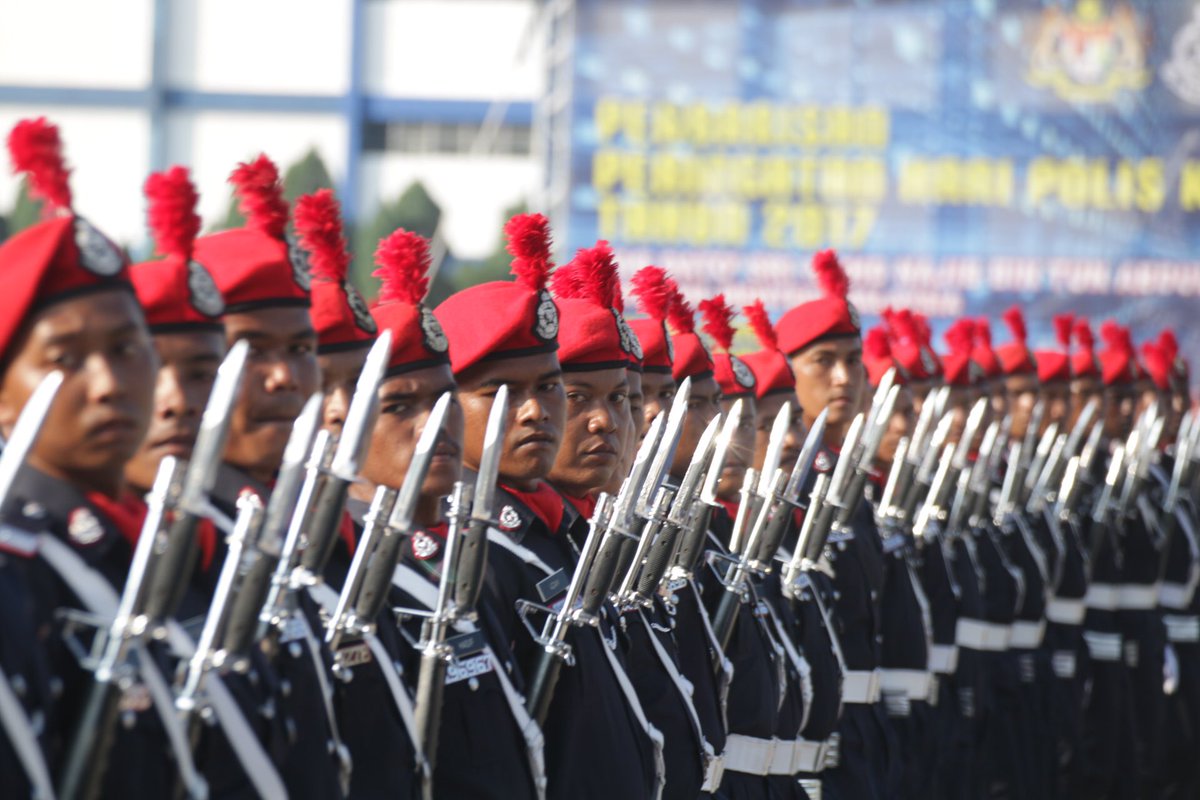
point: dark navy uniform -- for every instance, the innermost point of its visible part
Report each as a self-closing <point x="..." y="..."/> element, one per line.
<point x="311" y="765"/>
<point x="596" y="746"/>
<point x="44" y="673"/>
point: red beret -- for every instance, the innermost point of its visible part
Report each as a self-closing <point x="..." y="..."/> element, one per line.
<point x="176" y="293"/>
<point x="772" y="372"/>
<point x="339" y="313"/>
<point x="417" y="338"/>
<point x="831" y="315"/>
<point x="692" y="359"/>
<point x="1015" y="357"/>
<point x="257" y="266"/>
<point x="982" y="352"/>
<point x="503" y="319"/>
<point x="1179" y="366"/>
<point x="1055" y="365"/>
<point x="1084" y="363"/>
<point x="1118" y="361"/>
<point x="649" y="286"/>
<point x="732" y="374"/>
<point x="1158" y="364"/>
<point x="908" y="347"/>
<point x="958" y="366"/>
<point x="60" y="258"/>
<point x="593" y="333"/>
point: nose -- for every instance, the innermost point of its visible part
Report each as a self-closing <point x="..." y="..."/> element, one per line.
<point x="337" y="404"/>
<point x="281" y="377"/>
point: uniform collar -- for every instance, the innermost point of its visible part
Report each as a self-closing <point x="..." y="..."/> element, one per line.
<point x="39" y="502"/>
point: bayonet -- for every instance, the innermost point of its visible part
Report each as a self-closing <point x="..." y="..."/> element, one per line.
<point x="660" y="467"/>
<point x="26" y="430"/>
<point x="472" y="541"/>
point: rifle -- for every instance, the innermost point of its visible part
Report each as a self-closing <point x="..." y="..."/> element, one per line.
<point x="181" y="547"/>
<point x="26" y="430"/>
<point x="863" y="460"/>
<point x="1105" y="506"/>
<point x="555" y="651"/>
<point x="1050" y="479"/>
<point x="366" y="587"/>
<point x="1077" y="475"/>
<point x="827" y="512"/>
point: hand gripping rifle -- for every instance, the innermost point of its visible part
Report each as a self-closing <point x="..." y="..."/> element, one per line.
<point x="828" y="510"/>
<point x="390" y="522"/>
<point x="926" y="458"/>
<point x="312" y="531"/>
<point x="1045" y="490"/>
<point x="1077" y="475"/>
<point x="580" y="608"/>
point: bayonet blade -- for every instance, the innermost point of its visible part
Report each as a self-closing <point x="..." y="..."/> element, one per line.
<point x="684" y="498"/>
<point x="779" y="429"/>
<point x="26" y="429"/>
<point x="627" y="495"/>
<point x="708" y="490"/>
<point x="840" y="472"/>
<point x="665" y="454"/>
<point x="962" y="450"/>
<point x="489" y="463"/>
<point x="418" y="467"/>
<point x="281" y="506"/>
<point x="808" y="455"/>
<point x="201" y="474"/>
<point x="360" y="419"/>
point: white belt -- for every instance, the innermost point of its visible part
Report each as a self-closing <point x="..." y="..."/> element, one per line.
<point x="1138" y="597"/>
<point x="1175" y="595"/>
<point x="979" y="635"/>
<point x="1027" y="635"/>
<point x="713" y="773"/>
<point x="1103" y="646"/>
<point x="912" y="682"/>
<point x="1103" y="596"/>
<point x="943" y="658"/>
<point x="860" y="686"/>
<point x="750" y="755"/>
<point x="1182" y="629"/>
<point x="1065" y="611"/>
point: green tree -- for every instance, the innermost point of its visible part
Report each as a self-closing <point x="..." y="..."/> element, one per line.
<point x="25" y="212"/>
<point x="413" y="210"/>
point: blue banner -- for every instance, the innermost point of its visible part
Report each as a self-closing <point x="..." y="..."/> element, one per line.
<point x="960" y="156"/>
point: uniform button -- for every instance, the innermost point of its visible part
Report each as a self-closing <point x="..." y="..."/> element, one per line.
<point x="56" y="687"/>
<point x="331" y="746"/>
<point x="252" y="676"/>
<point x="267" y="709"/>
<point x="874" y="595"/>
<point x="837" y="595"/>
<point x="289" y="727"/>
<point x="841" y="546"/>
<point x="128" y="720"/>
<point x="473" y="683"/>
<point x="19" y="685"/>
<point x="294" y="649"/>
<point x="399" y="667"/>
<point x="285" y="688"/>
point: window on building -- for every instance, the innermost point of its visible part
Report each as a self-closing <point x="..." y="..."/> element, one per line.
<point x="443" y="137"/>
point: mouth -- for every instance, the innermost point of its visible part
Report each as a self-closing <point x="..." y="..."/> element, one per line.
<point x="113" y="430"/>
<point x="179" y="444"/>
<point x="537" y="441"/>
<point x="445" y="453"/>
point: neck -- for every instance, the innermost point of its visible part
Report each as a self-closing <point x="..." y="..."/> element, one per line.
<point x="429" y="510"/>
<point x="107" y="482"/>
<point x="521" y="484"/>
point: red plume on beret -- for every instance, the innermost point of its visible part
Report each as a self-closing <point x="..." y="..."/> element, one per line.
<point x="1055" y="365"/>
<point x="982" y="354"/>
<point x="260" y="196"/>
<point x="255" y="266"/>
<point x="692" y="359"/>
<point x="830" y="315"/>
<point x="36" y="150"/>
<point x="732" y="374"/>
<point x="832" y="279"/>
<point x="418" y="341"/>
<point x="176" y="293"/>
<point x="1118" y="359"/>
<point x="1014" y="356"/>
<point x="1170" y="346"/>
<point x="772" y="373"/>
<point x="1083" y="360"/>
<point x="506" y="319"/>
<point x="878" y="356"/>
<point x="529" y="244"/>
<point x="1062" y="329"/>
<point x="960" y="339"/>
<point x="593" y="334"/>
<point x="649" y="287"/>
<point x="1158" y="364"/>
<point x="59" y="258"/>
<point x="718" y="318"/>
<point x="906" y="345"/>
<point x="339" y="313"/>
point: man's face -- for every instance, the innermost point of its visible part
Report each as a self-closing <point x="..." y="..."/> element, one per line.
<point x="405" y="402"/>
<point x="900" y="424"/>
<point x="958" y="405"/>
<point x="102" y="410"/>
<point x="769" y="408"/>
<point x="631" y="434"/>
<point x="704" y="403"/>
<point x="829" y="374"/>
<point x="339" y="377"/>
<point x="996" y="389"/>
<point x="187" y="368"/>
<point x="536" y="413"/>
<point x="597" y="415"/>
<point x="1119" y="403"/>
<point x="1020" y="393"/>
<point x="1057" y="395"/>
<point x="741" y="452"/>
<point x="658" y="390"/>
<point x="281" y="374"/>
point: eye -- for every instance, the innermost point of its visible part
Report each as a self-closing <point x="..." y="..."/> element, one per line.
<point x="619" y="397"/>
<point x="300" y="348"/>
<point x="396" y="408"/>
<point x="577" y="397"/>
<point x="67" y="361"/>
